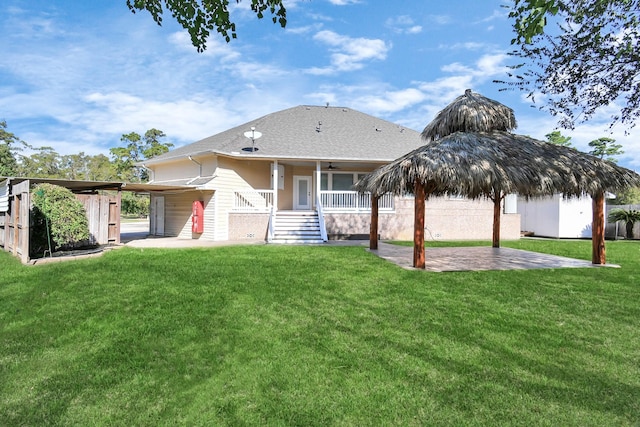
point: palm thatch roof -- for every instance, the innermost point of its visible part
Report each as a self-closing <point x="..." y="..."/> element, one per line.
<point x="485" y="164"/>
<point x="470" y="112"/>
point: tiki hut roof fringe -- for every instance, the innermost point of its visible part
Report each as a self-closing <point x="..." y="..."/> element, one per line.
<point x="470" y="112"/>
<point x="479" y="164"/>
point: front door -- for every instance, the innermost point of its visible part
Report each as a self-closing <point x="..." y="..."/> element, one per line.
<point x="302" y="192"/>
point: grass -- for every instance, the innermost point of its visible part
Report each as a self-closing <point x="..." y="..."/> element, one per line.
<point x="271" y="335"/>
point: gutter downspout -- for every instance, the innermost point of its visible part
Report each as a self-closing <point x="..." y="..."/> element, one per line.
<point x="199" y="170"/>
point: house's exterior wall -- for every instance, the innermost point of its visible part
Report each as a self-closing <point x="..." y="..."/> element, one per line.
<point x="445" y="219"/>
<point x="177" y="214"/>
<point x="181" y="169"/>
<point x="556" y="217"/>
<point x="250" y="227"/>
<point x="464" y="219"/>
<point x="233" y="175"/>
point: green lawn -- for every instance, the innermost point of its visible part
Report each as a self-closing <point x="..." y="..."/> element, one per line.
<point x="273" y="335"/>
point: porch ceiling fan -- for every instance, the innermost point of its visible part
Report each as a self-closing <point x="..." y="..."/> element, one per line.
<point x="331" y="167"/>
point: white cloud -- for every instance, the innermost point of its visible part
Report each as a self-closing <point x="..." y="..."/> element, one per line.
<point x="216" y="46"/>
<point x="496" y="14"/>
<point x="440" y="19"/>
<point x="389" y="101"/>
<point x="349" y="53"/>
<point x="343" y="2"/>
<point x="403" y="24"/>
<point x="463" y="46"/>
<point x="305" y="29"/>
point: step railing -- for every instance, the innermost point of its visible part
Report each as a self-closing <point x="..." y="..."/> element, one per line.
<point x="252" y="200"/>
<point x="323" y="227"/>
<point x="272" y="225"/>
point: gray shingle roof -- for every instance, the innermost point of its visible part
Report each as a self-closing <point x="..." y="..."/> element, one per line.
<point x="309" y="132"/>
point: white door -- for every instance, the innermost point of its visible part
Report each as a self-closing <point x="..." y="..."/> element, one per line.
<point x="158" y="216"/>
<point x="302" y="192"/>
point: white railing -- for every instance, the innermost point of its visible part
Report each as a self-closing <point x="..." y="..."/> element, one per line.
<point x="272" y="225"/>
<point x="353" y="201"/>
<point x="323" y="226"/>
<point x="253" y="200"/>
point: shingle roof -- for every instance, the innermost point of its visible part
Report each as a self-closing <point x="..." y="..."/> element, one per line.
<point x="309" y="132"/>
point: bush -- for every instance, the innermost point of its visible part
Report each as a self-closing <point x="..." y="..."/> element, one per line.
<point x="629" y="217"/>
<point x="57" y="215"/>
<point x="134" y="204"/>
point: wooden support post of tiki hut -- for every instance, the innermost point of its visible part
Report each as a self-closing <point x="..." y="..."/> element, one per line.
<point x="418" y="226"/>
<point x="373" y="231"/>
<point x="496" y="221"/>
<point x="597" y="230"/>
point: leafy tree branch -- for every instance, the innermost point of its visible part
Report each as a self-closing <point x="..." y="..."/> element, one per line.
<point x="201" y="17"/>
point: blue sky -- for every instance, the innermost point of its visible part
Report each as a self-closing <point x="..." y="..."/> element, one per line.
<point x="76" y="75"/>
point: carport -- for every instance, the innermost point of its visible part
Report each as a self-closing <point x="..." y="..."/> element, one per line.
<point x="101" y="199"/>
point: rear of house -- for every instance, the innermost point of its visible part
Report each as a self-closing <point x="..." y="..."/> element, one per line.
<point x="288" y="177"/>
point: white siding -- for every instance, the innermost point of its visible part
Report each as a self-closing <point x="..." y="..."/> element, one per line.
<point x="184" y="168"/>
<point x="228" y="180"/>
<point x="4" y="195"/>
<point x="576" y="218"/>
<point x="177" y="214"/>
<point x="540" y="216"/>
<point x="557" y="217"/>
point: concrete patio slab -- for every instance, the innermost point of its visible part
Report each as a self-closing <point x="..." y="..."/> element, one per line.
<point x="478" y="259"/>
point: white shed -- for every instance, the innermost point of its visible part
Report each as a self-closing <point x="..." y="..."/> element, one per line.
<point x="556" y="217"/>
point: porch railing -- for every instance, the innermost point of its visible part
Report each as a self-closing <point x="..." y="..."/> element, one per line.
<point x="353" y="201"/>
<point x="253" y="200"/>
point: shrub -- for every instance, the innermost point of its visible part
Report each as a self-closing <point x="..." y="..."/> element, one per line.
<point x="134" y="204"/>
<point x="59" y="215"/>
<point x="629" y="217"/>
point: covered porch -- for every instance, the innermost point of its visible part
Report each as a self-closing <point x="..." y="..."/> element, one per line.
<point x="303" y="193"/>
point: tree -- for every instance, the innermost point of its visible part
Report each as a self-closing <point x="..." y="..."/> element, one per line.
<point x="201" y="17"/>
<point x="606" y="148"/>
<point x="100" y="168"/>
<point x="557" y="138"/>
<point x="9" y="146"/>
<point x="629" y="217"/>
<point x="152" y="146"/>
<point x="125" y="158"/>
<point x="630" y="196"/>
<point x="585" y="62"/>
<point x="45" y="162"/>
<point x="137" y="149"/>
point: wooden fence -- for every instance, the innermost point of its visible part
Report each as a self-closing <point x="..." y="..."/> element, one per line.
<point x="103" y="214"/>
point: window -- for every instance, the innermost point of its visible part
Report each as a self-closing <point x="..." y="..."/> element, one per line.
<point x="339" y="181"/>
<point x="342" y="181"/>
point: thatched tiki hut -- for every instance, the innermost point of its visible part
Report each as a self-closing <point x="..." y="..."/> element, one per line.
<point x="483" y="160"/>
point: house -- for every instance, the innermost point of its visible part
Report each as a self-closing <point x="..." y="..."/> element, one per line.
<point x="288" y="177"/>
